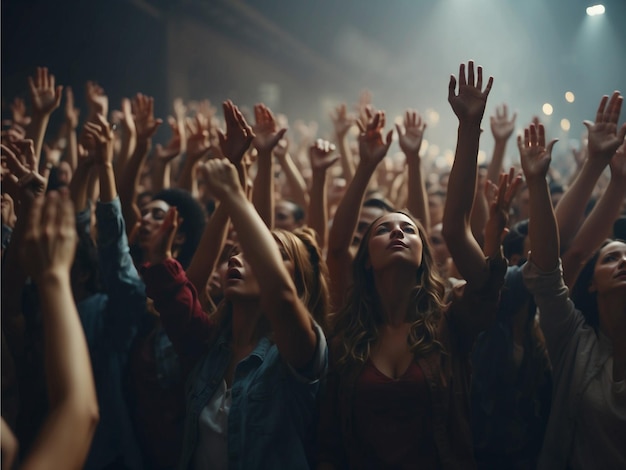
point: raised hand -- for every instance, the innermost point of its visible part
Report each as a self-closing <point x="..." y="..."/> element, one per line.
<point x="322" y="155"/>
<point x="52" y="155"/>
<point x="71" y="113"/>
<point x="222" y="178"/>
<point x="372" y="147"/>
<point x="198" y="143"/>
<point x="44" y="94"/>
<point x="97" y="100"/>
<point x="128" y="121"/>
<point x="266" y="130"/>
<point x="604" y="138"/>
<point x="50" y="237"/>
<point x="99" y="137"/>
<point x="342" y="121"/>
<point x="145" y="123"/>
<point x="534" y="153"/>
<point x="19" y="113"/>
<point x="499" y="199"/>
<point x="411" y="139"/>
<point x="160" y="246"/>
<point x="20" y="161"/>
<point x="239" y="135"/>
<point x="469" y="104"/>
<point x="501" y="126"/>
<point x="173" y="147"/>
<point x="618" y="163"/>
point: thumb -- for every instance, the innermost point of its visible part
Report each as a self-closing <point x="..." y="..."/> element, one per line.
<point x="588" y="125"/>
<point x="551" y="144"/>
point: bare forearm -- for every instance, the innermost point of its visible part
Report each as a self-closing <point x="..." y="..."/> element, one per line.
<point x="37" y="132"/>
<point x="571" y="207"/>
<point x="263" y="191"/>
<point x="211" y="244"/>
<point x="295" y="180"/>
<point x="318" y="212"/>
<point x="347" y="161"/>
<point x="108" y="191"/>
<point x="417" y="202"/>
<point x="542" y="230"/>
<point x="129" y="182"/>
<point x="497" y="158"/>
<point x="71" y="153"/>
<point x="596" y="228"/>
<point x="161" y="175"/>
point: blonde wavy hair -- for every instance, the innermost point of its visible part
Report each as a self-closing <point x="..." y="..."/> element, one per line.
<point x="356" y="326"/>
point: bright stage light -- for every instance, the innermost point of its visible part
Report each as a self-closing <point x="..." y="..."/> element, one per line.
<point x="547" y="109"/>
<point x="569" y="96"/>
<point x="565" y="124"/>
<point x="595" y="10"/>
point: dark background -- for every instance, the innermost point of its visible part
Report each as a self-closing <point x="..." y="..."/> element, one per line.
<point x="303" y="57"/>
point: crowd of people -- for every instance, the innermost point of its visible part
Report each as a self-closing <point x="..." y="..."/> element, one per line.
<point x="241" y="297"/>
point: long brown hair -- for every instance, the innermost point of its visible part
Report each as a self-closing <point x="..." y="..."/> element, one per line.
<point x="356" y="325"/>
<point x="310" y="277"/>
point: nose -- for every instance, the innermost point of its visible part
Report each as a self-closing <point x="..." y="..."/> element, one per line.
<point x="235" y="261"/>
<point x="396" y="232"/>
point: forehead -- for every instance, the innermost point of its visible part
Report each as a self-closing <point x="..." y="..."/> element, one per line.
<point x="370" y="214"/>
<point x="615" y="246"/>
<point x="156" y="204"/>
<point x="393" y="219"/>
<point x="284" y="206"/>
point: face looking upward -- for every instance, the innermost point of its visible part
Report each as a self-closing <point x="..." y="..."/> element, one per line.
<point x="610" y="269"/>
<point x="394" y="238"/>
<point x="152" y="216"/>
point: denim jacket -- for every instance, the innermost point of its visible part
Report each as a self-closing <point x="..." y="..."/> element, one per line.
<point x="273" y="414"/>
<point x="109" y="320"/>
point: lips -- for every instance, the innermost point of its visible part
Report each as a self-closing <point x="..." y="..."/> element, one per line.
<point x="621" y="274"/>
<point x="397" y="244"/>
<point x="233" y="274"/>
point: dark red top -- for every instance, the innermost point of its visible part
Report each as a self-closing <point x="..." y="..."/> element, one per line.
<point x="393" y="421"/>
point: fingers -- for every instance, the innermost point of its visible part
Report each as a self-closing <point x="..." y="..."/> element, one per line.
<point x="452" y="87"/>
<point x="601" y="107"/>
<point x="462" y="80"/>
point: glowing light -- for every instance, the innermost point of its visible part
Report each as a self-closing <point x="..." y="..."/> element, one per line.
<point x="565" y="124"/>
<point x="595" y="10"/>
<point x="433" y="150"/>
<point x="482" y="157"/>
<point x="432" y="116"/>
<point x="569" y="97"/>
<point x="547" y="109"/>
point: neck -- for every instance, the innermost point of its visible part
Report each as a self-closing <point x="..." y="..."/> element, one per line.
<point x="394" y="286"/>
<point x="246" y="323"/>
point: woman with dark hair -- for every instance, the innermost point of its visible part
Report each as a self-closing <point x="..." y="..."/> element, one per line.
<point x="255" y="364"/>
<point x="586" y="341"/>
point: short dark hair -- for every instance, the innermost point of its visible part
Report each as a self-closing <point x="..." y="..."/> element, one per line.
<point x="513" y="243"/>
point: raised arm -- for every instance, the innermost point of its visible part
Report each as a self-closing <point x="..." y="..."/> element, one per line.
<point x="71" y="123"/>
<point x="292" y="173"/>
<point x="45" y="96"/>
<point x="542" y="230"/>
<point x="410" y="142"/>
<point x="146" y="126"/>
<point x="163" y="156"/>
<point x="198" y="147"/>
<point x="322" y="157"/>
<point x="603" y="141"/>
<point x="236" y="142"/>
<point x="47" y="255"/>
<point x="291" y="322"/>
<point x="501" y="128"/>
<point x="129" y="139"/>
<point x="372" y="149"/>
<point x="266" y="138"/>
<point x="342" y="123"/>
<point x="598" y="225"/>
<point x="469" y="107"/>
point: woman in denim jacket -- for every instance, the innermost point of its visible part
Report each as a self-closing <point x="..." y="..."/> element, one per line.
<point x="587" y="424"/>
<point x="256" y="364"/>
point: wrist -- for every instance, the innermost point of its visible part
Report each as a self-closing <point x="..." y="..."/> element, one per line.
<point x="53" y="275"/>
